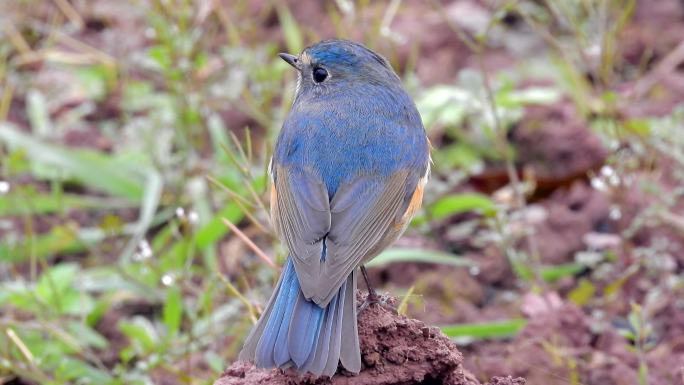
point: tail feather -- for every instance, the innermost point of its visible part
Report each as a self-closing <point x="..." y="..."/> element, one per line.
<point x="302" y="337"/>
<point x="281" y="355"/>
<point x="336" y="338"/>
<point x="293" y="331"/>
<point x="322" y="348"/>
<point x="281" y="314"/>
<point x="350" y="354"/>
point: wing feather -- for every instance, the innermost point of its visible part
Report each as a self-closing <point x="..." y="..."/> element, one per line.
<point x="328" y="239"/>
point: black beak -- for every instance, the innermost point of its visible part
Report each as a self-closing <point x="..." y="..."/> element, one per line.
<point x="290" y="59"/>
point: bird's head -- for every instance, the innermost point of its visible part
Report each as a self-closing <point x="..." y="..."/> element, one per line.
<point x="333" y="65"/>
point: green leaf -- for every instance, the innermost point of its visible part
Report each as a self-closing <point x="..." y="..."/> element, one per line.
<point x="87" y="335"/>
<point x="641" y="127"/>
<point x="53" y="283"/>
<point x="93" y="169"/>
<point x="161" y="55"/>
<point x="38" y="114"/>
<point x="460" y="203"/>
<point x="141" y="333"/>
<point x="59" y="240"/>
<point x="485" y="330"/>
<point x="21" y="203"/>
<point x="458" y="155"/>
<point x="583" y="293"/>
<point x="394" y="255"/>
<point x="173" y="310"/>
<point x="208" y="234"/>
<point x="95" y="80"/>
<point x="75" y="303"/>
<point x="104" y="279"/>
<point x="556" y="272"/>
<point x="71" y="370"/>
<point x="524" y="97"/>
<point x="549" y="273"/>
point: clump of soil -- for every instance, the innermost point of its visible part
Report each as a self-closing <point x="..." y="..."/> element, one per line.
<point x="571" y="214"/>
<point x="394" y="350"/>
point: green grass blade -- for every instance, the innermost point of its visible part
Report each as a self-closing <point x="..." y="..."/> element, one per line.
<point x="549" y="273"/>
<point x="93" y="169"/>
<point x="460" y="203"/>
<point x="60" y="240"/>
<point x="150" y="202"/>
<point x="417" y="255"/>
<point x="485" y="330"/>
<point x="554" y="273"/>
<point x="293" y="35"/>
<point x="16" y="204"/>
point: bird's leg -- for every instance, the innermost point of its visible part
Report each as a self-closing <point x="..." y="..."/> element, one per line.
<point x="373" y="297"/>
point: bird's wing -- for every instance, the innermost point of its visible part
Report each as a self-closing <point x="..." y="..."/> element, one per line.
<point x="329" y="239"/>
<point x="300" y="211"/>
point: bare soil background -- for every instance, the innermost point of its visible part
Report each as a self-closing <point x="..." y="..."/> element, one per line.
<point x="619" y="319"/>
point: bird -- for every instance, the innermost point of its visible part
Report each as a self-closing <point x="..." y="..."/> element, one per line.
<point x="348" y="172"/>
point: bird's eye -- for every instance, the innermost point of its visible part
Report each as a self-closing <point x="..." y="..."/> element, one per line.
<point x="319" y="74"/>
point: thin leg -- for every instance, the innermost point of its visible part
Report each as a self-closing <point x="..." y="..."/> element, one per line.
<point x="372" y="295"/>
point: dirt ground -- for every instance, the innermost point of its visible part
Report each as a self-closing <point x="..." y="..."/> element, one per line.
<point x="395" y="350"/>
<point x="565" y="342"/>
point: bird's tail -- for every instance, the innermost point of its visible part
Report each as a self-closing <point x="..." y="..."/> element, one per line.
<point x="293" y="331"/>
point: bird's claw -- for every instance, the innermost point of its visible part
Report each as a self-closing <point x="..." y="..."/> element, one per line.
<point x="380" y="300"/>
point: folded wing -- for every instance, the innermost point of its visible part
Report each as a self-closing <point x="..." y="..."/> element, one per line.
<point x="327" y="238"/>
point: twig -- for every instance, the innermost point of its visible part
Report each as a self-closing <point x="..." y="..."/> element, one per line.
<point x="78" y="45"/>
<point x="666" y="66"/>
<point x="241" y="202"/>
<point x="673" y="220"/>
<point x="242" y="298"/>
<point x="6" y="100"/>
<point x="21" y="345"/>
<point x="70" y="12"/>
<point x="260" y="253"/>
<point x="244" y="168"/>
<point x="17" y="39"/>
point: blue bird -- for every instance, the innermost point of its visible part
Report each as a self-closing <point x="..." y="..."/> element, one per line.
<point x="348" y="173"/>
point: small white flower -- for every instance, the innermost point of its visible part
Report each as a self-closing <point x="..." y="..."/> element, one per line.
<point x="193" y="217"/>
<point x="145" y="249"/>
<point x="598" y="184"/>
<point x="4" y="187"/>
<point x="607" y="171"/>
<point x="180" y="212"/>
<point x="615" y="213"/>
<point x="168" y="279"/>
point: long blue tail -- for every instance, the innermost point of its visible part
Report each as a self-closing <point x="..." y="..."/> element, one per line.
<point x="295" y="332"/>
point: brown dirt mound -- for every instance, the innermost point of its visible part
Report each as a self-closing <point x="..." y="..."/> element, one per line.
<point x="395" y="350"/>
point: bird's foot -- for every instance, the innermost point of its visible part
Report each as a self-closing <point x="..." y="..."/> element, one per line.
<point x="374" y="298"/>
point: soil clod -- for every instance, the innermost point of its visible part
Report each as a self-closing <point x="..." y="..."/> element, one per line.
<point x="395" y="350"/>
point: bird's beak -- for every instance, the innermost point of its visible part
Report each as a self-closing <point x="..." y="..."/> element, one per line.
<point x="290" y="59"/>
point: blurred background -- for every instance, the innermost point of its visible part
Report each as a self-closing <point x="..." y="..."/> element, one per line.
<point x="135" y="245"/>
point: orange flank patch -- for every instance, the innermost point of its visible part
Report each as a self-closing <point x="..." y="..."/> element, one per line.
<point x="414" y="205"/>
<point x="273" y="194"/>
